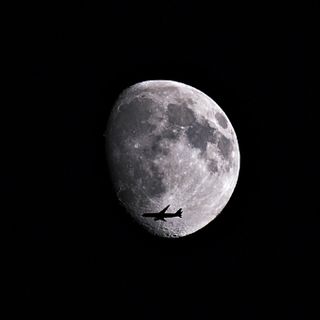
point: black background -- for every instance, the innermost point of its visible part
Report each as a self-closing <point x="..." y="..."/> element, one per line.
<point x="74" y="251"/>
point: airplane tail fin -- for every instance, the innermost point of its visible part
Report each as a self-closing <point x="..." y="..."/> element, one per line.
<point x="179" y="213"/>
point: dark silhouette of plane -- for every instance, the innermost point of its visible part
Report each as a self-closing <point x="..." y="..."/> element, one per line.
<point x="162" y="214"/>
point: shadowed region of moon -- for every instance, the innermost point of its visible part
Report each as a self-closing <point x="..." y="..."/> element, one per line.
<point x="169" y="143"/>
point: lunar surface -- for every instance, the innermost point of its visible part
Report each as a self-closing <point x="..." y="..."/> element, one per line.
<point x="170" y="144"/>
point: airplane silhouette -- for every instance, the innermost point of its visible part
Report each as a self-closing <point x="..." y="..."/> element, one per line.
<point x="162" y="214"/>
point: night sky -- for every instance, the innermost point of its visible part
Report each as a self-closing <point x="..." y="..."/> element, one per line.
<point x="73" y="249"/>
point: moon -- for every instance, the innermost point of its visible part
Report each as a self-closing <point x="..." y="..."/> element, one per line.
<point x="168" y="143"/>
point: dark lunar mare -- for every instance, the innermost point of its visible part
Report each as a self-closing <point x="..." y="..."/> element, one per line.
<point x="221" y="120"/>
<point x="225" y="146"/>
<point x="213" y="165"/>
<point x="179" y="114"/>
<point x="200" y="134"/>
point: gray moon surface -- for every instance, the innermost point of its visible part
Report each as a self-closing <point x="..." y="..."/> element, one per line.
<point x="169" y="143"/>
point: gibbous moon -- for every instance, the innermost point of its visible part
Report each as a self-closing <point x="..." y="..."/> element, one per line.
<point x="170" y="144"/>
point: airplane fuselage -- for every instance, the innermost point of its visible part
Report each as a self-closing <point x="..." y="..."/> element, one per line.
<point x="162" y="215"/>
<point x="156" y="215"/>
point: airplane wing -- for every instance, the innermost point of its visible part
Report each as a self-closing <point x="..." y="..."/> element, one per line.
<point x="164" y="210"/>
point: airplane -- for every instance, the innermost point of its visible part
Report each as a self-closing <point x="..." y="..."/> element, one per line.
<point x="162" y="214"/>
